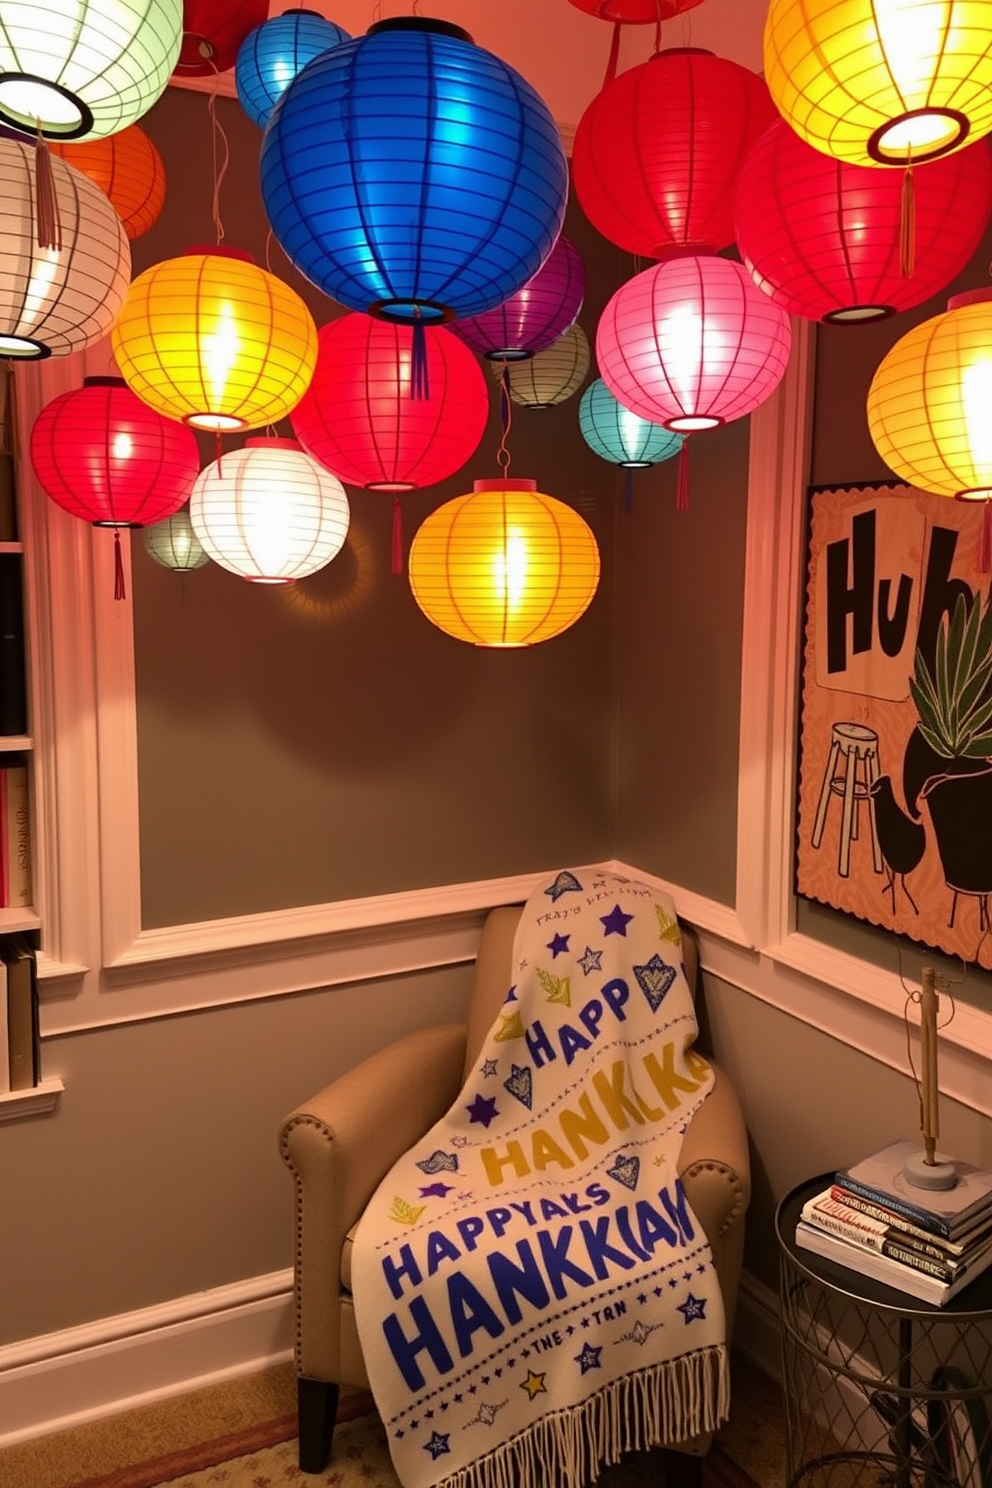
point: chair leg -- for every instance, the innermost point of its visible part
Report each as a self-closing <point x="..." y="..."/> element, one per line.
<point x="316" y="1407"/>
<point x="682" y="1469"/>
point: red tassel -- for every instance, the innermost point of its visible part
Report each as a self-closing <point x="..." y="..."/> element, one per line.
<point x="614" y="57"/>
<point x="907" y="225"/>
<point x="118" y="566"/>
<point x="397" y="565"/>
<point x="682" y="478"/>
<point x="46" y="202"/>
<point x="985" y="539"/>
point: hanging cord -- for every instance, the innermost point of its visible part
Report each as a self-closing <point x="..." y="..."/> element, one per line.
<point x="218" y="138"/>
<point x="48" y="221"/>
<point x="396" y="564"/>
<point x="505" y="421"/>
<point x="614" y="56"/>
<point x="907" y="221"/>
<point x="628" y="489"/>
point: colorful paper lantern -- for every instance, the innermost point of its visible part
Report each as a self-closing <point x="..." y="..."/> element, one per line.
<point x="891" y="84"/>
<point x="634" y="12"/>
<point x="414" y="175"/>
<point x="551" y="376"/>
<point x="358" y="417"/>
<point x="619" y="436"/>
<point x="174" y="545"/>
<point x="692" y="343"/>
<point x="271" y="56"/>
<point x="268" y="512"/>
<point x="822" y="237"/>
<point x="504" y="566"/>
<point x="213" y="30"/>
<point x="539" y="312"/>
<point x="90" y="67"/>
<point x="128" y="169"/>
<point x="930" y="399"/>
<point x="54" y="301"/>
<point x="214" y="340"/>
<point x="656" y="153"/>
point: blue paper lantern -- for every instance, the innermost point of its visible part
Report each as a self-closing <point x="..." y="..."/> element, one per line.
<point x="622" y="437"/>
<point x="413" y="175"/>
<point x="270" y="57"/>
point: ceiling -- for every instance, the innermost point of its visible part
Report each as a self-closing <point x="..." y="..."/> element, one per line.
<point x="559" y="49"/>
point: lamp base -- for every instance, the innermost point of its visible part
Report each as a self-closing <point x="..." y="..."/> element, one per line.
<point x="939" y="1174"/>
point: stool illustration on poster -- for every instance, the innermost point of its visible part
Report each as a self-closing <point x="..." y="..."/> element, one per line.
<point x="895" y="781"/>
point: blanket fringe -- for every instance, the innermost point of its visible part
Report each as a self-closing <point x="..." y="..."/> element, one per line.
<point x="662" y="1405"/>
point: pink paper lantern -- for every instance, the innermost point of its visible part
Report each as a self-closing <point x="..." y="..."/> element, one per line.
<point x="822" y="237"/>
<point x="692" y="343"/>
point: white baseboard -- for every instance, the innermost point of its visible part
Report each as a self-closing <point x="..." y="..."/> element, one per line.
<point x="81" y="1374"/>
<point x="757" y="1329"/>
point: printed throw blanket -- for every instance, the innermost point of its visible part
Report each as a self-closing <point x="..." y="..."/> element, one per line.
<point x="533" y="1293"/>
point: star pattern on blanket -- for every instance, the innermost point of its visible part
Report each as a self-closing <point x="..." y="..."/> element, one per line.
<point x="534" y="1384"/>
<point x="483" y="1110"/>
<point x="438" y="1445"/>
<point x="616" y="922"/>
<point x="590" y="1358"/>
<point x="489" y="1067"/>
<point x="591" y="961"/>
<point x="693" y="1308"/>
<point x="435" y="1190"/>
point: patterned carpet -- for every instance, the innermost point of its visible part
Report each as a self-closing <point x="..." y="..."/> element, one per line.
<point x="177" y="1443"/>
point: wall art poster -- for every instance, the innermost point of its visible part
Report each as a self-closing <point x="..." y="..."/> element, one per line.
<point x="895" y="778"/>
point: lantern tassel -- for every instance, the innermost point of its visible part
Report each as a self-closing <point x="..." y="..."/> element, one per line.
<point x="397" y="563"/>
<point x="907" y="225"/>
<point x="628" y="489"/>
<point x="682" y="478"/>
<point x="419" y="381"/>
<point x="119" y="591"/>
<point x="985" y="540"/>
<point x="46" y="202"/>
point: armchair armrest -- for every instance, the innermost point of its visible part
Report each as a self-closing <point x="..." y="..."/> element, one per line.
<point x="715" y="1169"/>
<point x="338" y="1146"/>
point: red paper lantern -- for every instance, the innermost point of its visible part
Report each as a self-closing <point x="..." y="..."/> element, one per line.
<point x="104" y="456"/>
<point x="359" y="416"/>
<point x="692" y="343"/>
<point x="657" y="152"/>
<point x="634" y="12"/>
<point x="822" y="236"/>
<point x="213" y="30"/>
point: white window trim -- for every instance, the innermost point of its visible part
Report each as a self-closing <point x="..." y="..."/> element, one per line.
<point x="100" y="966"/>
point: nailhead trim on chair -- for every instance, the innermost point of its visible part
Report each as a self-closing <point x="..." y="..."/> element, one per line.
<point x="733" y="1181"/>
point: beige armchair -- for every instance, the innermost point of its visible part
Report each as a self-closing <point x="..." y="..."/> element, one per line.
<point x="340" y="1144"/>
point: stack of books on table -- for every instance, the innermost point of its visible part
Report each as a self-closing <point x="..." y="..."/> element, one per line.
<point x="929" y="1243"/>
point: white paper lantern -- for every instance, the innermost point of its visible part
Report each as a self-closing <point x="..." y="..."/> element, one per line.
<point x="269" y="512"/>
<point x="85" y="68"/>
<point x="174" y="545"/>
<point x="54" y="301"/>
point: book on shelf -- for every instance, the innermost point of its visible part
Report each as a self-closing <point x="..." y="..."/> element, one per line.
<point x="886" y="1269"/>
<point x="23" y="1047"/>
<point x="947" y="1212"/>
<point x="15" y="834"/>
<point x="13" y="684"/>
<point x="979" y="1226"/>
<point x="929" y="1254"/>
<point x="4" y="1039"/>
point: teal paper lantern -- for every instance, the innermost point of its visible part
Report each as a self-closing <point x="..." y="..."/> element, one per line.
<point x="622" y="437"/>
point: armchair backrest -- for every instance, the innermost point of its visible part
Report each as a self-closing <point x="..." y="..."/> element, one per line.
<point x="492" y="976"/>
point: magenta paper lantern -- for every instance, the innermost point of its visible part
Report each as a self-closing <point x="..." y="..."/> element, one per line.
<point x="692" y="343"/>
<point x="823" y="237"/>
<point x="657" y="152"/>
<point x="535" y="316"/>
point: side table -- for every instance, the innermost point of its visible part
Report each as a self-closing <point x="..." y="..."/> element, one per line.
<point x="880" y="1388"/>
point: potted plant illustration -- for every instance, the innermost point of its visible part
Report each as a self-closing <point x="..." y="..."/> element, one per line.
<point x="953" y="697"/>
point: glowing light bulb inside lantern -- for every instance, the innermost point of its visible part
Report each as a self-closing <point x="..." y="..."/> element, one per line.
<point x="220" y="353"/>
<point x="976" y="400"/>
<point x="630" y="426"/>
<point x="682" y="345"/>
<point x="122" y="447"/>
<point x="40" y="285"/>
<point x="510" y="570"/>
<point x="912" y="35"/>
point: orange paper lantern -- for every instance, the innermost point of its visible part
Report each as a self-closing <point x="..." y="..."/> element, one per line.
<point x="128" y="169"/>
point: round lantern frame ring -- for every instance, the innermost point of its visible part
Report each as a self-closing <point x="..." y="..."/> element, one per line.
<point x="18" y="107"/>
<point x="896" y="142"/>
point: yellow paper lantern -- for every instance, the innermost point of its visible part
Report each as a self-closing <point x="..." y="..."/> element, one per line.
<point x="881" y="82"/>
<point x="504" y="566"/>
<point x="930" y="401"/>
<point x="212" y="339"/>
